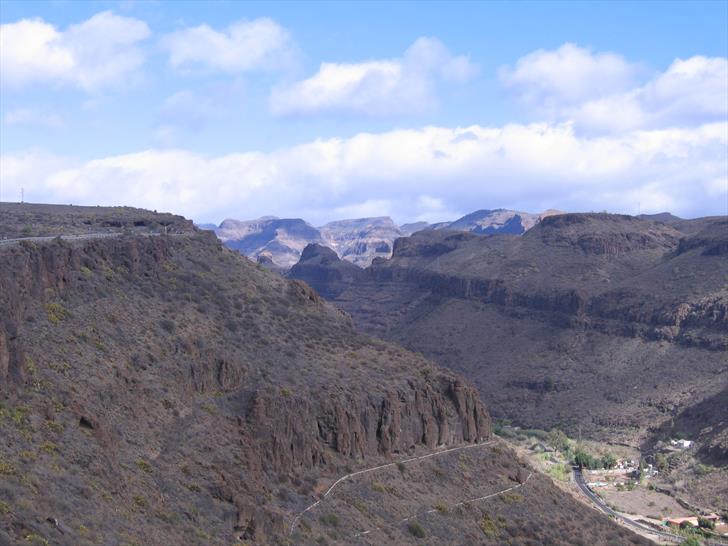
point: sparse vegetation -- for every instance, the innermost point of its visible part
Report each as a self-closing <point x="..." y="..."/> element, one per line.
<point x="144" y="466"/>
<point x="36" y="540"/>
<point x="416" y="530"/>
<point x="512" y="497"/>
<point x="330" y="520"/>
<point x="49" y="447"/>
<point x="6" y="469"/>
<point x="490" y="526"/>
<point x="56" y="312"/>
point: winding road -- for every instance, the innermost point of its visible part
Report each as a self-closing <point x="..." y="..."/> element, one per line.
<point x="603" y="507"/>
<point x="462" y="503"/>
<point x="296" y="519"/>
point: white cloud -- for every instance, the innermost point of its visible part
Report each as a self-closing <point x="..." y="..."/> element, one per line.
<point x="30" y="170"/>
<point x="381" y="87"/>
<point x="567" y="75"/>
<point x="600" y="92"/>
<point x="99" y="52"/>
<point x="425" y="173"/>
<point x="260" y="44"/>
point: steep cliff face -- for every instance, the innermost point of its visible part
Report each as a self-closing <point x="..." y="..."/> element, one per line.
<point x="597" y="271"/>
<point x="322" y="269"/>
<point x="150" y="371"/>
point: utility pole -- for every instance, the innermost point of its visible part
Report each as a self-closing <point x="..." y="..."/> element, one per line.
<point x="22" y="195"/>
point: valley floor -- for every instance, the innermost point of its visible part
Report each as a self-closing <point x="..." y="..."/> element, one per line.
<point x="647" y="505"/>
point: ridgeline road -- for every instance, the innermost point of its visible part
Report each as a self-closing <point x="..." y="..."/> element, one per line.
<point x="86" y="236"/>
<point x="10" y="242"/>
<point x="380" y="467"/>
<point x="602" y="506"/>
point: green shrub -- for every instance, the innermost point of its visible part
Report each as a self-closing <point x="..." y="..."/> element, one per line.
<point x="56" y="312"/>
<point x="558" y="440"/>
<point x="489" y="526"/>
<point x="331" y="520"/>
<point x="512" y="497"/>
<point x="6" y="469"/>
<point x="36" y="539"/>
<point x="416" y="529"/>
<point x="50" y="448"/>
<point x="378" y="487"/>
<point x="144" y="466"/>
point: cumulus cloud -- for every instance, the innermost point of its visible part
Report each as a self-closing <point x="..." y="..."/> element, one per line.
<point x="602" y="92"/>
<point x="99" y="52"/>
<point x="433" y="173"/>
<point x="381" y="87"/>
<point x="260" y="44"/>
<point x="690" y="92"/>
<point x="566" y="76"/>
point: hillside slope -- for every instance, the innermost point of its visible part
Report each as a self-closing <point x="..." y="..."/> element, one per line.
<point x="161" y="389"/>
<point x="603" y="324"/>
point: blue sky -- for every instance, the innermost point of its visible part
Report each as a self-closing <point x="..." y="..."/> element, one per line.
<point x="422" y="110"/>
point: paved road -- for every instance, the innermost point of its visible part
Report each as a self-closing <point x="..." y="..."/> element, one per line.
<point x="84" y="236"/>
<point x="380" y="467"/>
<point x="10" y="242"/>
<point x="601" y="505"/>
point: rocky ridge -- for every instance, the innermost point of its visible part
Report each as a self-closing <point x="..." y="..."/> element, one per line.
<point x="359" y="241"/>
<point x="587" y="319"/>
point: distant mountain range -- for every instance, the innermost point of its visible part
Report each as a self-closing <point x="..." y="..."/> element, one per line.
<point x="279" y="242"/>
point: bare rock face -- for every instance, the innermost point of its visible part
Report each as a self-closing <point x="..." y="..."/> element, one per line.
<point x="361" y="240"/>
<point x="607" y="234"/>
<point x="321" y="268"/>
<point x="299" y="433"/>
<point x="489" y="222"/>
<point x="280" y="239"/>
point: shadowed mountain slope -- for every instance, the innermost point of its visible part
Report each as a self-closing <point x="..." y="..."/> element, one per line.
<point x="161" y="389"/>
<point x="604" y="323"/>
